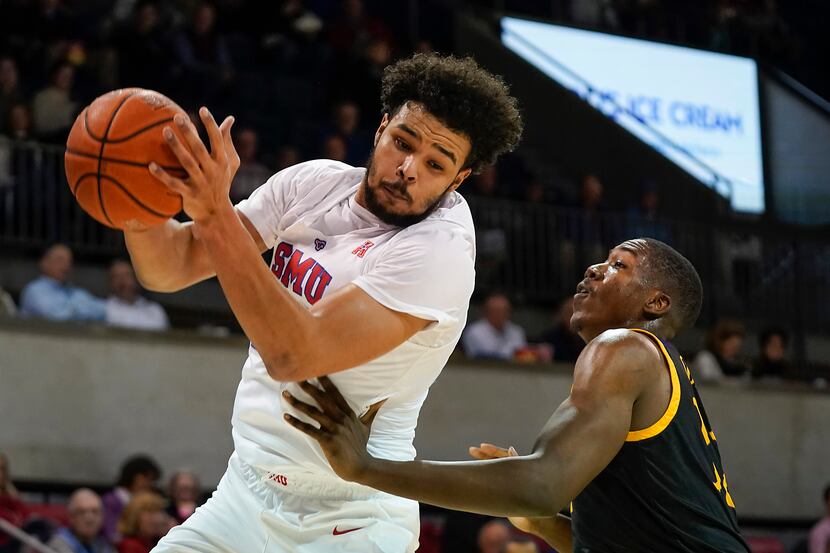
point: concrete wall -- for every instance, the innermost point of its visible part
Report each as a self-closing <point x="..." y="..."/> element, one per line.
<point x="74" y="401"/>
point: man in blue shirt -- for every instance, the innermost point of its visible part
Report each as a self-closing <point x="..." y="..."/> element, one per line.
<point x="50" y="297"/>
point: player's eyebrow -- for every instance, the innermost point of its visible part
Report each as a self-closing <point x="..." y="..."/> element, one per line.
<point x="409" y="130"/>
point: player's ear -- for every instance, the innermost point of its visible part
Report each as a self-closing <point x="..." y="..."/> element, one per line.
<point x="657" y="305"/>
<point x="383" y="124"/>
<point x="460" y="177"/>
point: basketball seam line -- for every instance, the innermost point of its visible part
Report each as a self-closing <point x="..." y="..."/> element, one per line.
<point x="101" y="154"/>
<point x="127" y="192"/>
<point x="139" y="131"/>
<point x="122" y="161"/>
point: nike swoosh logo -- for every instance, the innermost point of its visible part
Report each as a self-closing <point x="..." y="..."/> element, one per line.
<point x="337" y="532"/>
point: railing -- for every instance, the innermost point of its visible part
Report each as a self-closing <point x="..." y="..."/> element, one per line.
<point x="37" y="207"/>
<point x="535" y="252"/>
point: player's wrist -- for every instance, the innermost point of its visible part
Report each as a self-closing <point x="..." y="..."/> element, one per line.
<point x="214" y="217"/>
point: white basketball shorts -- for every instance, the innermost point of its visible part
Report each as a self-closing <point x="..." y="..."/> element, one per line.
<point x="257" y="512"/>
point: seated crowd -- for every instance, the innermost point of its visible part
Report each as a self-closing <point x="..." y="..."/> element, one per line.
<point x="129" y="518"/>
<point x="52" y="296"/>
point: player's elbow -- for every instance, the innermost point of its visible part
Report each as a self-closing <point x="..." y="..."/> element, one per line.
<point x="155" y="284"/>
<point x="287" y="366"/>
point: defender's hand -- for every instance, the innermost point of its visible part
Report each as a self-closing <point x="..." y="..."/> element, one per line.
<point x="207" y="188"/>
<point x="489" y="451"/>
<point x="341" y="435"/>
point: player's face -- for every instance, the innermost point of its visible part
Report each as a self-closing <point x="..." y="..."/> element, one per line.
<point x="612" y="293"/>
<point x="416" y="161"/>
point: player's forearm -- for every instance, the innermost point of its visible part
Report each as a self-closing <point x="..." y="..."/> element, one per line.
<point x="279" y="327"/>
<point x="167" y="258"/>
<point x="554" y="530"/>
<point x="517" y="486"/>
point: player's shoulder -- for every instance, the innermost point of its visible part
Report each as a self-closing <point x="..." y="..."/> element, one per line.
<point x="618" y="361"/>
<point x="622" y="349"/>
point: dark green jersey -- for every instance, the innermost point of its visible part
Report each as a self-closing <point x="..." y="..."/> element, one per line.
<point x="666" y="490"/>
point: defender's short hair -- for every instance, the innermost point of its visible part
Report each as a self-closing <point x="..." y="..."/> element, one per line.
<point x="667" y="270"/>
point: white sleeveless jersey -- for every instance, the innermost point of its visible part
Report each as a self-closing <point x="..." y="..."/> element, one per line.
<point x="323" y="240"/>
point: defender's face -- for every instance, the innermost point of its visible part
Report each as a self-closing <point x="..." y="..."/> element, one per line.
<point x="416" y="161"/>
<point x="612" y="293"/>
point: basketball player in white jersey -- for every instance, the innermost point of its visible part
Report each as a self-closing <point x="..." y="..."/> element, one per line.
<point x="370" y="282"/>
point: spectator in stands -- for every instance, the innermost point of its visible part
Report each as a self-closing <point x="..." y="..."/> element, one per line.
<point x="251" y="173"/>
<point x="144" y="49"/>
<point x="53" y="109"/>
<point x="19" y="123"/>
<point x="143" y="523"/>
<point x="7" y="488"/>
<point x="138" y="474"/>
<point x="287" y="156"/>
<point x="486" y="183"/>
<point x="51" y="297"/>
<point x="586" y="239"/>
<point x="334" y="147"/>
<point x="126" y="308"/>
<point x="820" y="533"/>
<point x="7" y="307"/>
<point x="494" y="335"/>
<point x="354" y="29"/>
<point x="86" y="518"/>
<point x="643" y="219"/>
<point x="184" y="495"/>
<point x="772" y="360"/>
<point x="493" y="537"/>
<point x="521" y="544"/>
<point x="721" y="357"/>
<point x="12" y="509"/>
<point x="565" y="343"/>
<point x="10" y="92"/>
<point x="345" y="123"/>
<point x="204" y="56"/>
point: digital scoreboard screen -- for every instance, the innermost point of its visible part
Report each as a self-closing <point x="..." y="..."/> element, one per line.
<point x="700" y="109"/>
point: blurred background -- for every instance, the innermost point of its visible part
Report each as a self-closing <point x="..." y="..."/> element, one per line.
<point x="701" y="124"/>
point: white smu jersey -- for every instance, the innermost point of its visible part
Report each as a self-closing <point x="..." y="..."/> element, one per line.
<point x="323" y="240"/>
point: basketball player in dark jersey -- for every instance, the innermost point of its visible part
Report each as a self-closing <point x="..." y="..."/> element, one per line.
<point x="631" y="450"/>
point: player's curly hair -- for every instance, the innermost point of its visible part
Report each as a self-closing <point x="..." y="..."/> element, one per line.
<point x="463" y="96"/>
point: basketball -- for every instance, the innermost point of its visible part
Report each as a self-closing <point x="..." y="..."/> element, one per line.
<point x="107" y="153"/>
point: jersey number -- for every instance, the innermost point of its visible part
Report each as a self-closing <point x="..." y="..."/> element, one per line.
<point x="709" y="437"/>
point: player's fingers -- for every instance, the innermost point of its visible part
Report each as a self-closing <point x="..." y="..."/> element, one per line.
<point x="227" y="138"/>
<point x="192" y="140"/>
<point x="336" y="396"/>
<point x="304" y="427"/>
<point x="171" y="182"/>
<point x="325" y="421"/>
<point x="476" y="453"/>
<point x="181" y="152"/>
<point x="217" y="143"/>
<point x="325" y="402"/>
<point x="494" y="451"/>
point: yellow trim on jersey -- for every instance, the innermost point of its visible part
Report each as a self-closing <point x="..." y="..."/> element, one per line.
<point x="674" y="402"/>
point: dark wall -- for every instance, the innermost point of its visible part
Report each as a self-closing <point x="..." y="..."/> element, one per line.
<point x="797" y="135"/>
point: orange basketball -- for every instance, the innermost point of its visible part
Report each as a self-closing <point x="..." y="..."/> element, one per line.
<point x="107" y="153"/>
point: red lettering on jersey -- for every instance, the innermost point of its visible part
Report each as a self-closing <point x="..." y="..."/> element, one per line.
<point x="317" y="283"/>
<point x="295" y="271"/>
<point x="361" y="250"/>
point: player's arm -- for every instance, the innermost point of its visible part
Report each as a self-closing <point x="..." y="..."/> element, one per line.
<point x="579" y="440"/>
<point x="346" y="328"/>
<point x="169" y="257"/>
<point x="554" y="530"/>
